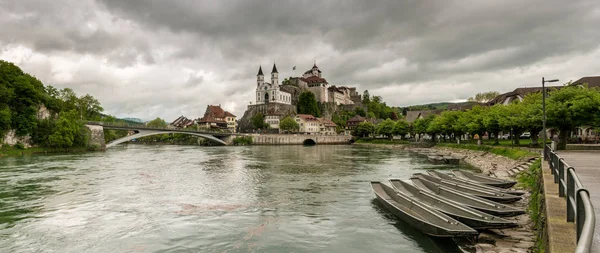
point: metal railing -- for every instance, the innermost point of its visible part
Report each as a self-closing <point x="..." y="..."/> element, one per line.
<point x="142" y="126"/>
<point x="579" y="205"/>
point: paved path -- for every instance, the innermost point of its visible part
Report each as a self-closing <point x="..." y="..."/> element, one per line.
<point x="587" y="166"/>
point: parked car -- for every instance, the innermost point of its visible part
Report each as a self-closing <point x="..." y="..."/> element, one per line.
<point x="525" y="135"/>
<point x="504" y="137"/>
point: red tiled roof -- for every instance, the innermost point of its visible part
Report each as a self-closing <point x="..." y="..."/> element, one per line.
<point x="307" y="117"/>
<point x="357" y="118"/>
<point x="326" y="122"/>
<point x="209" y="119"/>
<point x="217" y="112"/>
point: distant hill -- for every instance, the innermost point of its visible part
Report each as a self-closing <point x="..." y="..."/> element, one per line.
<point x="135" y="120"/>
<point x="432" y="106"/>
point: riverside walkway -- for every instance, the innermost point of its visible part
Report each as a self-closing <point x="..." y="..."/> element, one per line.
<point x="587" y="166"/>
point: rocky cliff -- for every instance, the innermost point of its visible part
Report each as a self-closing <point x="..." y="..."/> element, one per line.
<point x="245" y="123"/>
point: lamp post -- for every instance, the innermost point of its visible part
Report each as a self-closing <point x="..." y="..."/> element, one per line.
<point x="544" y="81"/>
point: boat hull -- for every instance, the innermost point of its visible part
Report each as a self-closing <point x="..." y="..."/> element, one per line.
<point x="402" y="212"/>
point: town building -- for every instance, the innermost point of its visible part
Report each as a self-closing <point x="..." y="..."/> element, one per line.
<point x="313" y="81"/>
<point x="217" y="118"/>
<point x="270" y="92"/>
<point x="308" y="123"/>
<point x="181" y="122"/>
<point x="353" y="122"/>
<point x="327" y="126"/>
<point x="273" y="120"/>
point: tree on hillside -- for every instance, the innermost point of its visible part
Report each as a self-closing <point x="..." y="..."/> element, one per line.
<point x="570" y="107"/>
<point x="258" y="121"/>
<point x="366" y="98"/>
<point x="66" y="130"/>
<point x="307" y="104"/>
<point x="483" y="97"/>
<point x="386" y="128"/>
<point x="89" y="107"/>
<point x="289" y="124"/>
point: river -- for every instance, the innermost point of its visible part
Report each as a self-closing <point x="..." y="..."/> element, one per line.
<point x="137" y="198"/>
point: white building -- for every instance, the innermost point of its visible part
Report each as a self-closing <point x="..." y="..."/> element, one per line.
<point x="308" y="124"/>
<point x="270" y="92"/>
<point x="273" y="120"/>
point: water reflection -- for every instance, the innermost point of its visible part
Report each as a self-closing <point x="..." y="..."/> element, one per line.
<point x="216" y="199"/>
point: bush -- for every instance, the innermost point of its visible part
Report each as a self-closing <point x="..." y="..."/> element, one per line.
<point x="242" y="140"/>
<point x="19" y="145"/>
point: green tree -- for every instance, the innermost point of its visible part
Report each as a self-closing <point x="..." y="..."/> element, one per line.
<point x="386" y="128"/>
<point x="307" y="104"/>
<point x="258" y="121"/>
<point x="288" y="124"/>
<point x="65" y="131"/>
<point x="484" y="97"/>
<point x="570" y="107"/>
<point x="89" y="107"/>
<point x="364" y="129"/>
<point x="421" y="125"/>
<point x="491" y="120"/>
<point x="157" y="123"/>
<point x="475" y="124"/>
<point x="401" y="128"/>
<point x="531" y="115"/>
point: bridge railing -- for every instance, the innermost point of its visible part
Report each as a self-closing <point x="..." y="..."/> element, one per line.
<point x="579" y="205"/>
<point x="143" y="126"/>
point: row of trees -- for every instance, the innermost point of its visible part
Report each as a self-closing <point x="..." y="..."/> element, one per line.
<point x="21" y="100"/>
<point x="567" y="108"/>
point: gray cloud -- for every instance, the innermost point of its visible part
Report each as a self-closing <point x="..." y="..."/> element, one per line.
<point x="165" y="58"/>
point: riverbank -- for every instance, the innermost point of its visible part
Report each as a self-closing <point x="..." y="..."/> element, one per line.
<point x="497" y="162"/>
<point x="12" y="151"/>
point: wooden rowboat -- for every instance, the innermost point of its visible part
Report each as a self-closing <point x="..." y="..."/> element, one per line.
<point x="419" y="216"/>
<point x="492" y="181"/>
<point x="475" y="191"/>
<point x="469" y="216"/>
<point x="474" y="202"/>
<point x="460" y="180"/>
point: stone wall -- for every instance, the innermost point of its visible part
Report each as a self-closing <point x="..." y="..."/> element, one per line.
<point x="96" y="137"/>
<point x="294" y="90"/>
<point x="298" y="139"/>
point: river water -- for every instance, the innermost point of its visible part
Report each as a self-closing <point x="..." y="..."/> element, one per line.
<point x="139" y="198"/>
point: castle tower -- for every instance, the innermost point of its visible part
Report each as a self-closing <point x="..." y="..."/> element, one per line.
<point x="315" y="70"/>
<point x="260" y="78"/>
<point x="274" y="76"/>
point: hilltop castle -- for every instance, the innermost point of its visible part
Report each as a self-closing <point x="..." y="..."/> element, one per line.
<point x="312" y="80"/>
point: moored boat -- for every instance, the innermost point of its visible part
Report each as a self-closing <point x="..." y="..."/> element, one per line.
<point x="475" y="191"/>
<point x="421" y="217"/>
<point x="469" y="216"/>
<point x="453" y="178"/>
<point x="492" y="181"/>
<point x="474" y="202"/>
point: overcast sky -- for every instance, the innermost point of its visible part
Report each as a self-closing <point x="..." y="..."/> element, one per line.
<point x="154" y="58"/>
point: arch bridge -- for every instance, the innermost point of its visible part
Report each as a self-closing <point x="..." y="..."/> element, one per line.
<point x="144" y="131"/>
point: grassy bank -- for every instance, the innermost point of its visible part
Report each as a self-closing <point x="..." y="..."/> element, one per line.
<point x="533" y="182"/>
<point x="512" y="153"/>
<point x="6" y="151"/>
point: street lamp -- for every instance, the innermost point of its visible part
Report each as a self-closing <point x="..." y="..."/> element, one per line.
<point x="544" y="110"/>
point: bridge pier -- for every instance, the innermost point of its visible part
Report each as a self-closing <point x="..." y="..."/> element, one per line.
<point x="96" y="136"/>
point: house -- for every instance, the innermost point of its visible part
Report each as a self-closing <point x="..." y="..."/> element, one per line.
<point x="308" y="123"/>
<point x="464" y="106"/>
<point x="327" y="126"/>
<point x="352" y="123"/>
<point x="181" y="122"/>
<point x="411" y="116"/>
<point x="217" y="118"/>
<point x="518" y="94"/>
<point x="273" y="120"/>
<point x="591" y="81"/>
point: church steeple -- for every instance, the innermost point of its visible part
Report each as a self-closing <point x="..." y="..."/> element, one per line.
<point x="260" y="78"/>
<point x="275" y="76"/>
<point x="260" y="73"/>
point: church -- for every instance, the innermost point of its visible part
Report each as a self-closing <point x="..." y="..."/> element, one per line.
<point x="270" y="92"/>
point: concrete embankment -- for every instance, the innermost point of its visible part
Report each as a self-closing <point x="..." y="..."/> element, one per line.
<point x="298" y="139"/>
